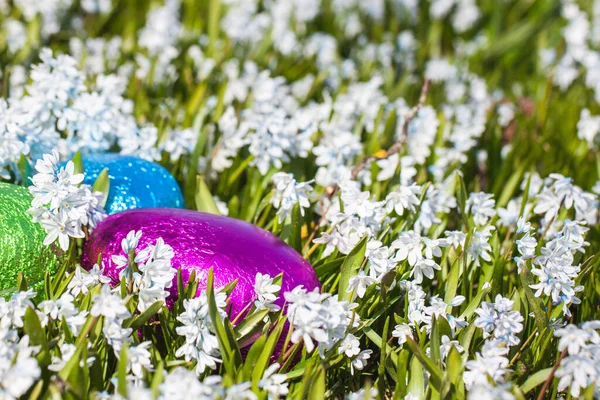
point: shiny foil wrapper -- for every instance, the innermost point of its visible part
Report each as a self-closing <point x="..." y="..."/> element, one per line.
<point x="21" y="240"/>
<point x="134" y="182"/>
<point x="235" y="249"/>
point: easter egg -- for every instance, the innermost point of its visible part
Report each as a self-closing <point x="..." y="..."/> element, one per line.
<point x="21" y="240"/>
<point x="234" y="248"/>
<point x="134" y="182"/>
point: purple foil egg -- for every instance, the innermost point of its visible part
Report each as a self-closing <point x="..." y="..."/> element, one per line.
<point x="234" y="248"/>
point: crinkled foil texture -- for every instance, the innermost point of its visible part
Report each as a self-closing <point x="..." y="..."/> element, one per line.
<point x="21" y="240"/>
<point x="236" y="250"/>
<point x="134" y="182"/>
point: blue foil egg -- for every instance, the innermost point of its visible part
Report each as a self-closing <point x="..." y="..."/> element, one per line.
<point x="134" y="182"/>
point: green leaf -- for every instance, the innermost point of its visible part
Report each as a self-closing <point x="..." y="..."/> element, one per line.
<point x="462" y="196"/>
<point x="498" y="276"/>
<point x="37" y="336"/>
<point x="401" y="372"/>
<point x="230" y="352"/>
<point x="191" y="287"/>
<point x="204" y="199"/>
<point x="350" y="267"/>
<point x="376" y="339"/>
<point x="434" y="370"/>
<point x="416" y="383"/>
<point x="454" y="366"/>
<point x="122" y="371"/>
<point x="21" y="282"/>
<point x="157" y="379"/>
<point x="214" y="10"/>
<point x="238" y="171"/>
<point x="24" y="168"/>
<point x="435" y="341"/>
<point x="252" y="358"/>
<point x="140" y="320"/>
<point x="509" y="187"/>
<point x="317" y="388"/>
<point x="250" y="325"/>
<point x="452" y="282"/>
<point x="525" y="199"/>
<point x="292" y="232"/>
<point x="474" y="303"/>
<point x="263" y="361"/>
<point x="190" y="177"/>
<point x="102" y="184"/>
<point x="77" y="163"/>
<point x="381" y="381"/>
<point x="541" y="318"/>
<point x="535" y="380"/>
<point x="73" y="362"/>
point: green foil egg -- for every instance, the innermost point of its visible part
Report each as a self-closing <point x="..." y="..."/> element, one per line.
<point x="21" y="241"/>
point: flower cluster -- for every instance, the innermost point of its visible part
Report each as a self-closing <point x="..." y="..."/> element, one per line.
<point x="201" y="344"/>
<point x="148" y="272"/>
<point x="288" y="193"/>
<point x="580" y="369"/>
<point x="61" y="204"/>
<point x="319" y="317"/>
<point x="500" y="324"/>
<point x="19" y="369"/>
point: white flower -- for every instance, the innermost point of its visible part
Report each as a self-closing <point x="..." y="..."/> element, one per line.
<point x="130" y="242"/>
<point x="500" y="320"/>
<point x="181" y="384"/>
<point x="349" y="346"/>
<point x="574" y="338"/>
<point x="201" y="345"/>
<point x="447" y="344"/>
<point x="479" y="247"/>
<point x="138" y="358"/>
<point x="97" y="276"/>
<point x="80" y="282"/>
<point x="455" y="239"/>
<point x="359" y="283"/>
<point x="388" y="167"/>
<point x="319" y="318"/>
<point x="402" y="332"/>
<point x="108" y="305"/>
<point x="440" y="70"/>
<point x="424" y="267"/>
<point x="526" y="246"/>
<point x="409" y="247"/>
<point x="506" y="113"/>
<point x="360" y="361"/>
<point x="266" y="292"/>
<point x="433" y="247"/>
<point x="357" y="202"/>
<point x="523" y="226"/>
<point x="240" y="391"/>
<point x="481" y="207"/>
<point x="588" y="127"/>
<point x="274" y="384"/>
<point x="548" y="204"/>
<point x="487" y="391"/>
<point x="59" y="227"/>
<point x="578" y="372"/>
<point x="18" y="375"/>
<point x="490" y="363"/>
<point x="60" y="204"/>
<point x="288" y="193"/>
<point x="96" y="6"/>
<point x="405" y="198"/>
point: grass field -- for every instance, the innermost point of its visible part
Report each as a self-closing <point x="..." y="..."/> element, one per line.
<point x="435" y="161"/>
